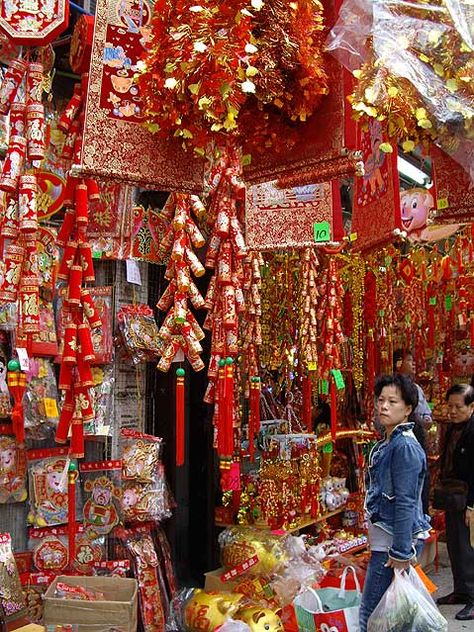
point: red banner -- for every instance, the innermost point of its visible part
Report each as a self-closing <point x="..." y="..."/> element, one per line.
<point x="376" y="204"/>
<point x="454" y="190"/>
<point x="33" y="22"/>
<point x="286" y="218"/>
<point x="116" y="145"/>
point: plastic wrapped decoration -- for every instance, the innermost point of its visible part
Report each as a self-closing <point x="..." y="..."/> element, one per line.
<point x="47" y="476"/>
<point x="102" y="401"/>
<point x="259" y="551"/>
<point x="418" y="72"/>
<point x="44" y="342"/>
<point x="139" y="333"/>
<point x="139" y="543"/>
<point x="12" y="468"/>
<point x="40" y="400"/>
<point x="102" y="487"/>
<point x="145" y="493"/>
<point x="50" y="548"/>
<point x="12" y="602"/>
<point x="34" y="587"/>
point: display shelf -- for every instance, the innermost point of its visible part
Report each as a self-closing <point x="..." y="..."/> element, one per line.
<point x="301" y="525"/>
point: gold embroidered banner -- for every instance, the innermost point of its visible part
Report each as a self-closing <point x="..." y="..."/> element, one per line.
<point x="116" y="145"/>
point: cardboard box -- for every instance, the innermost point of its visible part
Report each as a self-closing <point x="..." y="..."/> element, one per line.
<point x="214" y="583"/>
<point x="118" y="612"/>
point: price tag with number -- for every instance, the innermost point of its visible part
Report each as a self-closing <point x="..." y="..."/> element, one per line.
<point x="322" y="232"/>
<point x="338" y="379"/>
<point x="442" y="204"/>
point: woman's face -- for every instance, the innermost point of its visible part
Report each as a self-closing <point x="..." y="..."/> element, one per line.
<point x="391" y="408"/>
<point x="458" y="410"/>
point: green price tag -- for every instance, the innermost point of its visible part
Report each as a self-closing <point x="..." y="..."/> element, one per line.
<point x="324" y="387"/>
<point x="338" y="379"/>
<point x="442" y="204"/>
<point x="97" y="254"/>
<point x="328" y="448"/>
<point x="388" y="260"/>
<point x="448" y="302"/>
<point x="246" y="160"/>
<point x="322" y="232"/>
<point x="353" y="237"/>
<point x="433" y="300"/>
<point x="381" y="313"/>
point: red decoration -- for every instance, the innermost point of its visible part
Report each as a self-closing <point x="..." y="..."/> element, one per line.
<point x="114" y="146"/>
<point x="81" y="44"/>
<point x="16" y="381"/>
<point x="379" y="188"/>
<point x="37" y="26"/>
<point x="179" y="417"/>
<point x="454" y="190"/>
<point x="276" y="218"/>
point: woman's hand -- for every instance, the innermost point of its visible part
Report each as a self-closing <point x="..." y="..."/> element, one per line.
<point x="467" y="516"/>
<point x="398" y="564"/>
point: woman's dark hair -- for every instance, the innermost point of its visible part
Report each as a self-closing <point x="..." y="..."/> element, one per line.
<point x="404" y="384"/>
<point x="462" y="389"/>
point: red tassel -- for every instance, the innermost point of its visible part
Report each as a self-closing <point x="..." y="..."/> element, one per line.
<point x="16" y="384"/>
<point x="307" y="404"/>
<point x="180" y="417"/>
<point x="229" y="408"/>
<point x="220" y="404"/>
<point x="71" y="512"/>
<point x="251" y="429"/>
<point x="431" y="326"/>
<point x="333" y="393"/>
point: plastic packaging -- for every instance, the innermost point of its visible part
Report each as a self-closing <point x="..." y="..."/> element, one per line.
<point x="244" y="549"/>
<point x="101" y="481"/>
<point x="145" y="492"/>
<point x="102" y="396"/>
<point x="139" y="333"/>
<point x="50" y="548"/>
<point x="40" y="401"/>
<point x="48" y="487"/>
<point x="406" y="605"/>
<point x="416" y="69"/>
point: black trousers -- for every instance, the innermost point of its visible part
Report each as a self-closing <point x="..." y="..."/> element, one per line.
<point x="461" y="553"/>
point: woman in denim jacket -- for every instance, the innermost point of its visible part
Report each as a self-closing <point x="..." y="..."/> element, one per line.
<point x="396" y="472"/>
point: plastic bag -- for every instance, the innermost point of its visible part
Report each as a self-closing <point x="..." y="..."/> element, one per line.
<point x="139" y="333"/>
<point x="406" y="605"/>
<point x="416" y="72"/>
<point x="40" y="401"/>
<point x="102" y="492"/>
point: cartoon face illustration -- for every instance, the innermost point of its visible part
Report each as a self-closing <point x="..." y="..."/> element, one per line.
<point x="415" y="207"/>
<point x="7" y="459"/>
<point x="129" y="499"/>
<point x="54" y="481"/>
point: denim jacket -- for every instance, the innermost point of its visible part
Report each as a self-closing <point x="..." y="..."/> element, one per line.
<point x="397" y="469"/>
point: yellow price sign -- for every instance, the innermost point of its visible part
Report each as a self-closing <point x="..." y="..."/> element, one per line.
<point x="50" y="407"/>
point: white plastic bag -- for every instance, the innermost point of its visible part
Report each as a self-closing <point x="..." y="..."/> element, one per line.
<point x="406" y="605"/>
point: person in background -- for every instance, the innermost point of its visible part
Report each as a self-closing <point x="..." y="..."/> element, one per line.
<point x="457" y="462"/>
<point x="422" y="417"/>
<point x="393" y="504"/>
<point x="403" y="362"/>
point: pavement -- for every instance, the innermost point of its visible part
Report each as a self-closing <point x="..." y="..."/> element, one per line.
<point x="444" y="580"/>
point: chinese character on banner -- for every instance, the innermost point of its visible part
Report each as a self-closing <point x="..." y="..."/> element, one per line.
<point x="33" y="22"/>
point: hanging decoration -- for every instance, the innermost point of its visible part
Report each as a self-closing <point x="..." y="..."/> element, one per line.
<point x="224" y="299"/>
<point x="79" y="315"/>
<point x="288" y="218"/>
<point x="329" y="315"/>
<point x="180" y="330"/>
<point x="379" y="186"/>
<point x="211" y="66"/>
<point x="115" y="147"/>
<point x="416" y="70"/>
<point x="308" y="330"/>
<point x="36" y="26"/>
<point x="454" y="190"/>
